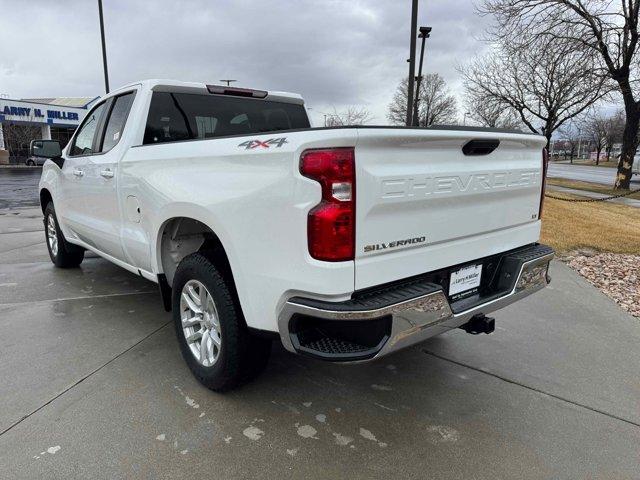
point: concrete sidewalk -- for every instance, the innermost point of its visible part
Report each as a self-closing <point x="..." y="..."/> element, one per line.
<point x="93" y="386"/>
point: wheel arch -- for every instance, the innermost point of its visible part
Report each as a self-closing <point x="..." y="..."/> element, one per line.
<point x="179" y="236"/>
<point x="47" y="187"/>
<point x="187" y="230"/>
<point x="45" y="198"/>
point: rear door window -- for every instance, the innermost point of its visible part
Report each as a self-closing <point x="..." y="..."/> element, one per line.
<point x="117" y="120"/>
<point x="184" y="116"/>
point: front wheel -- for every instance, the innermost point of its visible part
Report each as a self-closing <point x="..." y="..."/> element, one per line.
<point x="31" y="163"/>
<point x="62" y="253"/>
<point x="214" y="339"/>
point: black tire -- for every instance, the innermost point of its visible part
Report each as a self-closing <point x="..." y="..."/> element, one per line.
<point x="66" y="255"/>
<point x="242" y="356"/>
<point x="31" y="163"/>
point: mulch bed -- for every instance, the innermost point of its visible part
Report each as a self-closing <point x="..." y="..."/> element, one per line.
<point x="616" y="275"/>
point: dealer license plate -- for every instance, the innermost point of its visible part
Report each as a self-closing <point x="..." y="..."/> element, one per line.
<point x="464" y="279"/>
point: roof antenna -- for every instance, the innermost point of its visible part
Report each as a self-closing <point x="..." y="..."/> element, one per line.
<point x="228" y="82"/>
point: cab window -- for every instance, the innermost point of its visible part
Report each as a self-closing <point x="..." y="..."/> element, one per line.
<point x="83" y="142"/>
<point x="184" y="116"/>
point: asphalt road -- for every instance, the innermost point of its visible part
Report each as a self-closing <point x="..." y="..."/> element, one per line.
<point x="586" y="173"/>
<point x="92" y="385"/>
<point x="19" y="187"/>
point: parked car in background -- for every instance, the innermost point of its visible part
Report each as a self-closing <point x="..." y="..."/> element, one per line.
<point x="39" y="151"/>
<point x="35" y="161"/>
<point x="345" y="243"/>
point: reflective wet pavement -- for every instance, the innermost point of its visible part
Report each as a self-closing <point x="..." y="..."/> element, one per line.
<point x="92" y="385"/>
<point x="19" y="187"/>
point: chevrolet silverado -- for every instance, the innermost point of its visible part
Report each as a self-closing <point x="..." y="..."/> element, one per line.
<point x="345" y="243"/>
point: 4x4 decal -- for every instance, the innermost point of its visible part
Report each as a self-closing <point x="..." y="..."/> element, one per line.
<point x="251" y="144"/>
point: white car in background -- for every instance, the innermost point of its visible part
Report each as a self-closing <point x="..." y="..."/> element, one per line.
<point x="34" y="161"/>
<point x="345" y="243"/>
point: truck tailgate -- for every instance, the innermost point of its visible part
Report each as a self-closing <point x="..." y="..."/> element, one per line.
<point x="422" y="204"/>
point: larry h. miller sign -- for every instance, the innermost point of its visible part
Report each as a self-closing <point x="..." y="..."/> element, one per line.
<point x="39" y="113"/>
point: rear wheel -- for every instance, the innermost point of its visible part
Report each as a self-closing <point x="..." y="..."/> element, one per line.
<point x="62" y="253"/>
<point x="213" y="337"/>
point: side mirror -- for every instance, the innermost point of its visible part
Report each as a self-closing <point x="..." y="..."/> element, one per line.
<point x="45" y="148"/>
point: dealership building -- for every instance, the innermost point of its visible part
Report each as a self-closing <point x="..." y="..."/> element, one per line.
<point x="38" y="118"/>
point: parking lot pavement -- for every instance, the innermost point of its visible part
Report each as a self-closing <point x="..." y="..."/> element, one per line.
<point x="19" y="187"/>
<point x="92" y="385"/>
<point x="21" y="236"/>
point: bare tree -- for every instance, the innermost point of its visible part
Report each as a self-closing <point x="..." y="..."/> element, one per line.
<point x="614" y="131"/>
<point x="547" y="84"/>
<point x="489" y="112"/>
<point x="610" y="29"/>
<point x="436" y="105"/>
<point x="18" y="137"/>
<point x="570" y="139"/>
<point x="350" y="116"/>
<point x="594" y="127"/>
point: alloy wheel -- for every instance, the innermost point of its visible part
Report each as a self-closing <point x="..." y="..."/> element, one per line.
<point x="52" y="235"/>
<point x="200" y="323"/>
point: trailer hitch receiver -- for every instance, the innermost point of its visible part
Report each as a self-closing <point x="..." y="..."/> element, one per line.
<point x="479" y="324"/>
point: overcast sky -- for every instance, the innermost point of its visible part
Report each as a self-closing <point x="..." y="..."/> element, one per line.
<point x="333" y="52"/>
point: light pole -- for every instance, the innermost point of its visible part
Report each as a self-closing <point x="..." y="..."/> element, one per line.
<point x="104" y="48"/>
<point x="325" y="115"/>
<point x="464" y="119"/>
<point x="412" y="60"/>
<point x="579" y="142"/>
<point x="228" y="81"/>
<point x="425" y="32"/>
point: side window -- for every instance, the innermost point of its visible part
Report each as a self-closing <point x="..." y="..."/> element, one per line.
<point x="117" y="120"/>
<point x="83" y="143"/>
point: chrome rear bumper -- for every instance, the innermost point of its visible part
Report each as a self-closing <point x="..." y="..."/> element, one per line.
<point x="415" y="319"/>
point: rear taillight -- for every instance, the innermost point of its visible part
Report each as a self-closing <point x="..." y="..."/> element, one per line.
<point x="545" y="163"/>
<point x="331" y="225"/>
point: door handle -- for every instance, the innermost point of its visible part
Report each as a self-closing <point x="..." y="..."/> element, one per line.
<point x="107" y="173"/>
<point x="78" y="173"/>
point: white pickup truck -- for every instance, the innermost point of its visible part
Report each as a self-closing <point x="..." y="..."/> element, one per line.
<point x="345" y="243"/>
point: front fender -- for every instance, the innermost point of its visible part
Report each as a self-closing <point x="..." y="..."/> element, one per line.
<point x="49" y="180"/>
